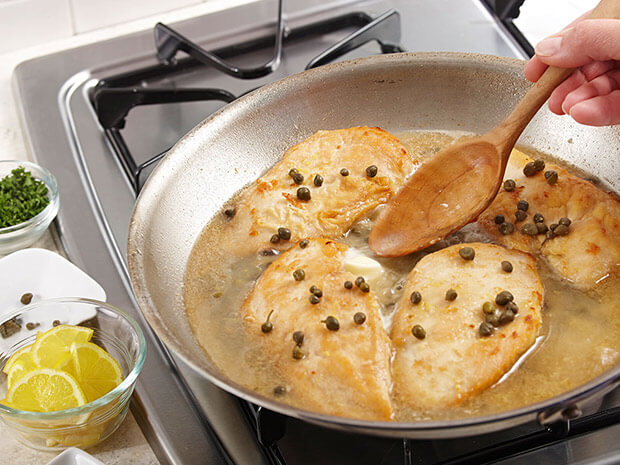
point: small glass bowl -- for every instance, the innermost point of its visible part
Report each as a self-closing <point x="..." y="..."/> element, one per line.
<point x="24" y="234"/>
<point x="91" y="423"/>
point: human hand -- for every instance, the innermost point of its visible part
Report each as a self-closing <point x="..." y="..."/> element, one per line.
<point x="591" y="94"/>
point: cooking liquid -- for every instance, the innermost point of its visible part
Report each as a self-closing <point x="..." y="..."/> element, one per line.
<point x="579" y="338"/>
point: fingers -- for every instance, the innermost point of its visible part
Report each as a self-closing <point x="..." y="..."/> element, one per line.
<point x="534" y="69"/>
<point x="600" y="86"/>
<point x="588" y="40"/>
<point x="598" y="111"/>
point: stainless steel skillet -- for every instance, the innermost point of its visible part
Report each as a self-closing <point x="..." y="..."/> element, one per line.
<point x="398" y="92"/>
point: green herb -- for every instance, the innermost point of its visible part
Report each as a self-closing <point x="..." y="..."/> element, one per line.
<point x="21" y="197"/>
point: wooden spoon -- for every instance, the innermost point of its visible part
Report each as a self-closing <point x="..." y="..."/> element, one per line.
<point x="456" y="185"/>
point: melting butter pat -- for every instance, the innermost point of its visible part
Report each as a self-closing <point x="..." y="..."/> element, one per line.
<point x="361" y="265"/>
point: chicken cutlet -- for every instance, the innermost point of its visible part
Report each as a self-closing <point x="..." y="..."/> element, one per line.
<point x="584" y="252"/>
<point x="302" y="318"/>
<point x="447" y="347"/>
<point x="319" y="189"/>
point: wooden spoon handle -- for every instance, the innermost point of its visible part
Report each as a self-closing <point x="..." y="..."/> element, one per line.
<point x="507" y="132"/>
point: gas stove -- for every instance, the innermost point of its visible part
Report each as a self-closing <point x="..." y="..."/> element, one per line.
<point x="101" y="117"/>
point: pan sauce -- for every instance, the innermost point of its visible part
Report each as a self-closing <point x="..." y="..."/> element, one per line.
<point x="579" y="340"/>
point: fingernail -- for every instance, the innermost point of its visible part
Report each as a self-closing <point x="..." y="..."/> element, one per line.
<point x="549" y="46"/>
<point x="565" y="108"/>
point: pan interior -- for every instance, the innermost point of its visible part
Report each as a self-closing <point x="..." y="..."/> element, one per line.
<point x="232" y="148"/>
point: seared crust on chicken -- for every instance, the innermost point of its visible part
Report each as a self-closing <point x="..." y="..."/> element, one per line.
<point x="454" y="362"/>
<point x="272" y="201"/>
<point x="590" y="252"/>
<point x="345" y="372"/>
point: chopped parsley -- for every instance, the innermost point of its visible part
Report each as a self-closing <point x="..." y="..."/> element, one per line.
<point x="21" y="197"/>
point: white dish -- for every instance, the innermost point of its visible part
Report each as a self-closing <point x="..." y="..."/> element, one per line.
<point x="74" y="456"/>
<point x="46" y="275"/>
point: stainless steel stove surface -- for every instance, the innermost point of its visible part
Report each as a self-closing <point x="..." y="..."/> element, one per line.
<point x="102" y="156"/>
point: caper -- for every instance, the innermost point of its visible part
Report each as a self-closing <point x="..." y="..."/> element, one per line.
<point x="314" y="299"/>
<point x="279" y="391"/>
<point x="30" y="325"/>
<point x="506" y="317"/>
<point x="551" y="176"/>
<point x="503" y="298"/>
<point x="418" y="331"/>
<point x="284" y="234"/>
<point x="509" y="185"/>
<point x="507" y="266"/>
<point x="492" y="318"/>
<point x="523" y="205"/>
<point x="230" y="212"/>
<point x="499" y="219"/>
<point x="267" y="326"/>
<point x="565" y="221"/>
<point x="467" y="253"/>
<point x="55" y="323"/>
<point x="371" y="171"/>
<point x="304" y="243"/>
<point x="550" y="235"/>
<point x="542" y="228"/>
<point x="298" y="354"/>
<point x="451" y="294"/>
<point x="506" y="228"/>
<point x="520" y="215"/>
<point x="485" y="329"/>
<point x="274" y="239"/>
<point x="298" y="178"/>
<point x="415" y="298"/>
<point x="365" y="287"/>
<point x="303" y="193"/>
<point x="359" y="280"/>
<point x="318" y="180"/>
<point x="553" y="226"/>
<point x="26" y="298"/>
<point x="332" y="323"/>
<point x="529" y="229"/>
<point x="298" y="337"/>
<point x="292" y="171"/>
<point x="316" y="291"/>
<point x="359" y="318"/>
<point x="488" y="308"/>
<point x="299" y="275"/>
<point x="344" y="172"/>
<point x="539" y="164"/>
<point x="348" y="285"/>
<point x="561" y="230"/>
<point x="538" y="218"/>
<point x="529" y="169"/>
<point x="513" y="307"/>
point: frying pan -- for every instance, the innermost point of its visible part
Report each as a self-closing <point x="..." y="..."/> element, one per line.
<point x="231" y="148"/>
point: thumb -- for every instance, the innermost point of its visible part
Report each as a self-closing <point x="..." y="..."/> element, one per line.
<point x="588" y="40"/>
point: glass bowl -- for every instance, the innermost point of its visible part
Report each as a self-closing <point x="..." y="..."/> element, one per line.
<point x="91" y="423"/>
<point x="24" y="234"/>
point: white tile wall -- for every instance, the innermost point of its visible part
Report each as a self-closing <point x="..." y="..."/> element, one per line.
<point x="28" y="23"/>
<point x="94" y="14"/>
<point x="25" y="23"/>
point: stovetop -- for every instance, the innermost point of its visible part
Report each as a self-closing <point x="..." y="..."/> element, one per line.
<point x="68" y="103"/>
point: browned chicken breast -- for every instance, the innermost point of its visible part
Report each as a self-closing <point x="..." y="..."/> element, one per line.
<point x="320" y="188"/>
<point x="336" y="365"/>
<point x="588" y="250"/>
<point x="451" y="358"/>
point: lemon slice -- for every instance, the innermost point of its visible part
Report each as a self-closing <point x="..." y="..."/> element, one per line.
<point x="21" y="354"/>
<point x="45" y="390"/>
<point x="19" y="369"/>
<point x="54" y="345"/>
<point x="94" y="369"/>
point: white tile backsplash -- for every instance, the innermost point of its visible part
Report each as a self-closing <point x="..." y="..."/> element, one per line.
<point x="95" y="14"/>
<point x="25" y="23"/>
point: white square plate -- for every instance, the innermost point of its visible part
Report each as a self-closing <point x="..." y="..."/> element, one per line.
<point x="74" y="456"/>
<point x="46" y="275"/>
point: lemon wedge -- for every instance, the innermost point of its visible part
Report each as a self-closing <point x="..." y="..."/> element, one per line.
<point x="19" y="369"/>
<point x="19" y="356"/>
<point x="45" y="390"/>
<point x="94" y="369"/>
<point x="54" y="345"/>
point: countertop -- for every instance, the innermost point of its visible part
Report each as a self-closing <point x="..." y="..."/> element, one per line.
<point x="127" y="445"/>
